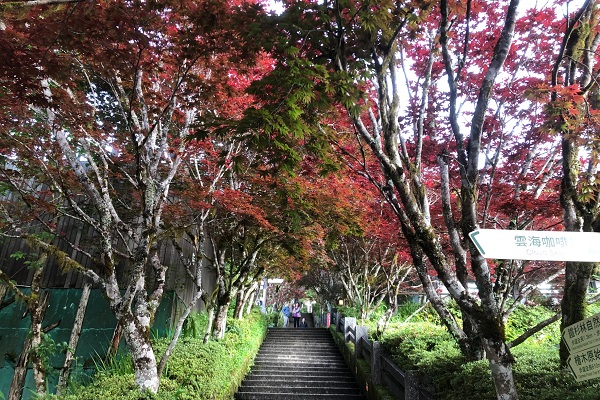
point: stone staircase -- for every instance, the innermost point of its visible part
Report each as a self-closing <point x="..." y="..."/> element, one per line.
<point x="299" y="363"/>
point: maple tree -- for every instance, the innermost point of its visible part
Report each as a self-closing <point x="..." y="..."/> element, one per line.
<point x="435" y="94"/>
<point x="572" y="114"/>
<point x="255" y="228"/>
<point x="450" y="109"/>
<point x="237" y="236"/>
<point x="365" y="251"/>
<point x="98" y="101"/>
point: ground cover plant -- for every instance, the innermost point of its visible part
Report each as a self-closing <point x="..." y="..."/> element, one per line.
<point x="196" y="370"/>
<point x="423" y="344"/>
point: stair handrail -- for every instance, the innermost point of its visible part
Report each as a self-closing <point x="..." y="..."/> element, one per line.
<point x="403" y="384"/>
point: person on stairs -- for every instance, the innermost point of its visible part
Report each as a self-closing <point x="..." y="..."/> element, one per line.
<point x="286" y="314"/>
<point x="303" y="324"/>
<point x="296" y="314"/>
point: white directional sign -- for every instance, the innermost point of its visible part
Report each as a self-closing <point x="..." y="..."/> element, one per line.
<point x="537" y="245"/>
<point x="583" y="334"/>
<point x="585" y="364"/>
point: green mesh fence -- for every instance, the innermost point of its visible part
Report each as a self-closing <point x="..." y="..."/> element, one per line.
<point x="97" y="331"/>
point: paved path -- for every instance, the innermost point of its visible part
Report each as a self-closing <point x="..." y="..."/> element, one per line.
<point x="299" y="363"/>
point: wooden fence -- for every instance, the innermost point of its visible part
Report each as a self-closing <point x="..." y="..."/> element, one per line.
<point x="402" y="384"/>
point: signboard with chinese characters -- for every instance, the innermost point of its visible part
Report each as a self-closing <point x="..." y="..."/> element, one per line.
<point x="537" y="245"/>
<point x="585" y="364"/>
<point x="583" y="334"/>
<point x="583" y="342"/>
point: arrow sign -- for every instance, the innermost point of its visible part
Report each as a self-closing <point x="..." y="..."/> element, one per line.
<point x="537" y="245"/>
<point x="585" y="364"/>
<point x="583" y="334"/>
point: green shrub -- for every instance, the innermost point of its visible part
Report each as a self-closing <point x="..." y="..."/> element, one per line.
<point x="413" y="345"/>
<point x="194" y="371"/>
<point x="430" y="349"/>
<point x="348" y="311"/>
<point x="539" y="376"/>
<point x="523" y="318"/>
<point x="195" y="325"/>
<point x="405" y="310"/>
<point x="117" y="364"/>
<point x="107" y="386"/>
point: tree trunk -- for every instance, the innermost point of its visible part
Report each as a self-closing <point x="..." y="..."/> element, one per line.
<point x="436" y="301"/>
<point x="238" y="311"/>
<point x="577" y="274"/>
<point x="114" y="342"/>
<point x="578" y="215"/>
<point x="220" y="320"/>
<point x="37" y="304"/>
<point x="18" y="381"/>
<point x="501" y="362"/>
<point x="248" y="296"/>
<point x="251" y="301"/>
<point x="39" y="370"/>
<point x="211" y="318"/>
<point x="37" y="310"/>
<point x="137" y="337"/>
<point x="3" y="290"/>
<point x="573" y="305"/>
<point x="74" y="340"/>
<point x="383" y="321"/>
<point x="473" y="347"/>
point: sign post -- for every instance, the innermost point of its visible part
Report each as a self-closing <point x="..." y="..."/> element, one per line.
<point x="582" y="338"/>
<point x="583" y="342"/>
<point x="537" y="245"/>
<point x="583" y="334"/>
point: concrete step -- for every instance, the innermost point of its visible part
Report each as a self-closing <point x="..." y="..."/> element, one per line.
<point x="285" y="370"/>
<point x="261" y="380"/>
<point x="297" y="335"/>
<point x="293" y="383"/>
<point x="290" y="356"/>
<point x="304" y="390"/>
<point x="300" y="347"/>
<point x="295" y="396"/>
<point x="299" y="364"/>
<point x="298" y="331"/>
<point x="312" y="375"/>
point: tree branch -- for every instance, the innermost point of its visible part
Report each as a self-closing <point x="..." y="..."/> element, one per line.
<point x="532" y="331"/>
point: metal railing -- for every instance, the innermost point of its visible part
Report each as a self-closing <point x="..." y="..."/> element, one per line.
<point x="403" y="385"/>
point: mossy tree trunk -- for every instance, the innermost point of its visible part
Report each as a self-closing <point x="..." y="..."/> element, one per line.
<point x="581" y="212"/>
<point x="220" y="323"/>
<point x="37" y="303"/>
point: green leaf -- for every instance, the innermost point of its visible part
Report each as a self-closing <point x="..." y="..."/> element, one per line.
<point x="18" y="255"/>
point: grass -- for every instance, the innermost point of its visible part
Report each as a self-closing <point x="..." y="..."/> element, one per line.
<point x="196" y="370"/>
